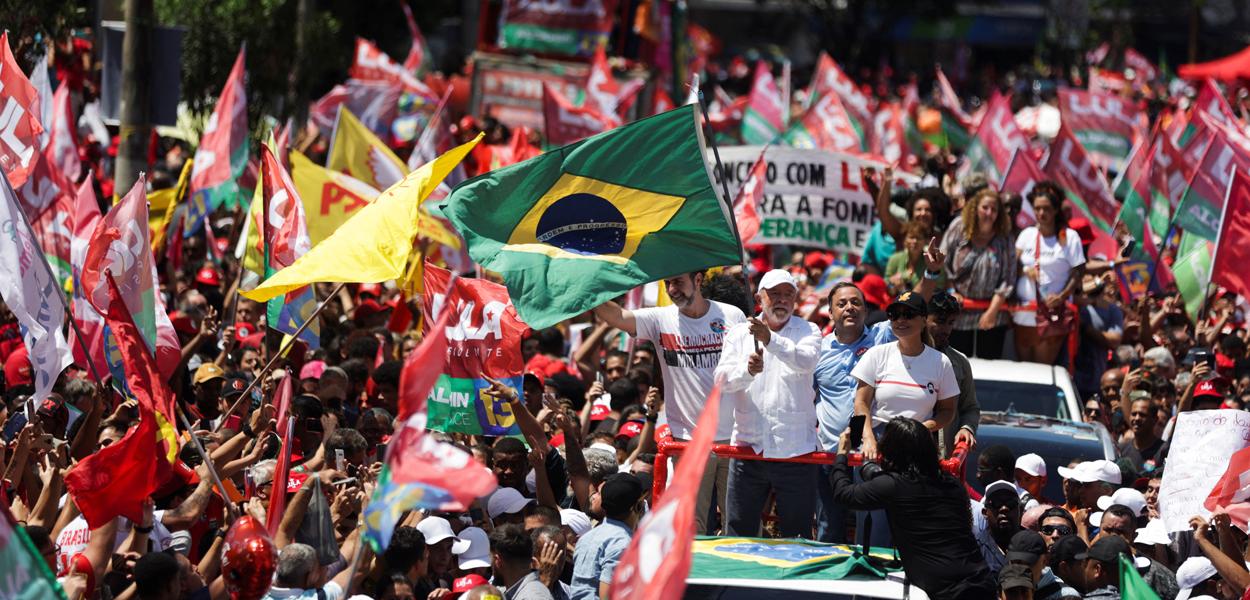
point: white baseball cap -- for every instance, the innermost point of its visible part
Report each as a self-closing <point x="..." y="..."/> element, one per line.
<point x="1032" y="464"/>
<point x="1191" y="573"/>
<point x="575" y="520"/>
<point x="1001" y="485"/>
<point x="1091" y="471"/>
<point x="1155" y="532"/>
<point x="777" y="277"/>
<point x="1133" y="499"/>
<point x="435" y="530"/>
<point x="506" y="500"/>
<point x="473" y="548"/>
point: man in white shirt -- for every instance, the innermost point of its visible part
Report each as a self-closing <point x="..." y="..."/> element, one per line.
<point x="688" y="335"/>
<point x="766" y="368"/>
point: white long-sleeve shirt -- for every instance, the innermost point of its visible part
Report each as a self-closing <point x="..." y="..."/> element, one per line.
<point x="775" y="410"/>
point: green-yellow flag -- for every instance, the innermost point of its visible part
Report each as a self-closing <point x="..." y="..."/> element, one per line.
<point x="375" y="244"/>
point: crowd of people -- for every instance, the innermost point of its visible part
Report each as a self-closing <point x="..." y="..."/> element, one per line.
<point x="879" y="371"/>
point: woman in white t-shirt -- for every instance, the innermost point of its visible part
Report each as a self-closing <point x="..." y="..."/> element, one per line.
<point x="906" y="378"/>
<point x="1052" y="260"/>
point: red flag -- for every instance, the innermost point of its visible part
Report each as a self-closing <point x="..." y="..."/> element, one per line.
<point x="416" y="52"/>
<point x="746" y="203"/>
<point x="566" y="123"/>
<point x="1232" y="253"/>
<point x="656" y="564"/>
<point x="830" y="79"/>
<point x="1232" y="491"/>
<point x="62" y="150"/>
<point x="86" y="215"/>
<point x="997" y="137"/>
<point x="223" y="147"/>
<point x="829" y="126"/>
<point x="372" y="64"/>
<point x="949" y="100"/>
<point x="144" y="379"/>
<point x="418" y="376"/>
<point x="44" y="186"/>
<point x="19" y="117"/>
<point x="1070" y="165"/>
<point x="375" y="103"/>
<point x="604" y="93"/>
<point x="277" y="497"/>
<point x="661" y="102"/>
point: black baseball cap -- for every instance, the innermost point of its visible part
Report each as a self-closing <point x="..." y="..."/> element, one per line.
<point x="1015" y="576"/>
<point x="943" y="303"/>
<point x="233" y="386"/>
<point x="910" y="300"/>
<point x="620" y="492"/>
<point x="1107" y="549"/>
<point x="1067" y="549"/>
<point x="1026" y="546"/>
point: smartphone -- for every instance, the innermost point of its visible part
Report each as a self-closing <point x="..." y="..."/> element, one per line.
<point x="857" y="430"/>
<point x="339" y="462"/>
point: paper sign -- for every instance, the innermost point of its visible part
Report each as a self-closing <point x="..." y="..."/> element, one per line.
<point x="1202" y="443"/>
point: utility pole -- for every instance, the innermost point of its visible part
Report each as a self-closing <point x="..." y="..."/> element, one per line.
<point x="136" y="101"/>
<point x="297" y="101"/>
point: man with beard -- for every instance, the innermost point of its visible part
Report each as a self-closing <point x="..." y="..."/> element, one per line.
<point x="943" y="312"/>
<point x="1146" y="450"/>
<point x="766" y="367"/>
<point x="689" y="334"/>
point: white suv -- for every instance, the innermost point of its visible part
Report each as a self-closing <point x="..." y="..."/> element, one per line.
<point x="1025" y="387"/>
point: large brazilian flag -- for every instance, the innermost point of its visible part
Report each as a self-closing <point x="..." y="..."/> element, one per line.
<point x="587" y="222"/>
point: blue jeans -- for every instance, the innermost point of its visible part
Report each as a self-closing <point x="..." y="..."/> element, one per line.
<point x="749" y="484"/>
<point x="831" y="516"/>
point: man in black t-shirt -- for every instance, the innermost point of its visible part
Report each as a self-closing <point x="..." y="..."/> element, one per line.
<point x="1145" y="449"/>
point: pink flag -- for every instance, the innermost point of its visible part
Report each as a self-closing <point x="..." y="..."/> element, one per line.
<point x="1070" y="165"/>
<point x="120" y="244"/>
<point x="372" y="64"/>
<point x="996" y="139"/>
<point x="763" y="119"/>
<point x="19" y="117"/>
<point x="656" y="564"/>
<point x="277" y="497"/>
<point x="86" y="215"/>
<point x="566" y="123"/>
<point x="949" y="100"/>
<point x="222" y="153"/>
<point x="62" y="150"/>
<point x="746" y="203"/>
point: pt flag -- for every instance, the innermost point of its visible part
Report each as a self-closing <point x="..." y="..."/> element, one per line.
<point x="222" y="154"/>
<point x="85" y="217"/>
<point x="656" y="564"/>
<point x="764" y="118"/>
<point x="1232" y="252"/>
<point x="566" y="123"/>
<point x="1232" y="492"/>
<point x="32" y="295"/>
<point x="376" y="242"/>
<point x="996" y="139"/>
<point x="19" y="118"/>
<point x="750" y="194"/>
<point x="358" y="152"/>
<point x="1106" y="125"/>
<point x="484" y="338"/>
<point x="580" y="225"/>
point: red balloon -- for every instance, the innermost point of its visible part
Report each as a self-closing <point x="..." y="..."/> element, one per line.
<point x="248" y="560"/>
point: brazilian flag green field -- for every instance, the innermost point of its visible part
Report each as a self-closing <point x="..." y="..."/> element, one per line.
<point x="587" y="222"/>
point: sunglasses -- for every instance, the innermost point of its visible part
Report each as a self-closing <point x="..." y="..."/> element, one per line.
<point x="896" y="314"/>
<point x="1056" y="529"/>
<point x="1093" y="412"/>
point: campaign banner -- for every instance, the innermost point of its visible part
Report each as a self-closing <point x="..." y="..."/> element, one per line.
<point x="568" y="27"/>
<point x="811" y="198"/>
<point x="483" y="340"/>
<point x="996" y="139"/>
<point x="1202" y="444"/>
<point x="1106" y="125"/>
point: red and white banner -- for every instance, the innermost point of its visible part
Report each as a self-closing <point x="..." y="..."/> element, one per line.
<point x="605" y="94"/>
<point x="829" y="127"/>
<point x="1106" y="125"/>
<point x="949" y="100"/>
<point x="830" y="78"/>
<point x="1070" y="165"/>
<point x="565" y="123"/>
<point x="372" y="64"/>
<point x="375" y="104"/>
<point x="19" y="118"/>
<point x="226" y="133"/>
<point x="1232" y="253"/>
<point x="62" y="150"/>
<point x="997" y="138"/>
<point x="763" y="119"/>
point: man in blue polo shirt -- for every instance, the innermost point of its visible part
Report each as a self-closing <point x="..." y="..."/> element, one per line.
<point x="839" y="353"/>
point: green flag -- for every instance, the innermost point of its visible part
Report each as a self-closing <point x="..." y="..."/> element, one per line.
<point x="582" y="224"/>
<point x="1193" y="271"/>
<point x="774" y="559"/>
<point x="25" y="575"/>
<point x="1132" y="586"/>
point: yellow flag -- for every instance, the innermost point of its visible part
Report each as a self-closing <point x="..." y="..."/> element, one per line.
<point x="330" y="198"/>
<point x="161" y="205"/>
<point x="375" y="243"/>
<point x="356" y="151"/>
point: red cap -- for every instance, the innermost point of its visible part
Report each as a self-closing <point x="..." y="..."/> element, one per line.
<point x="1083" y="229"/>
<point x="599" y="412"/>
<point x="536" y="375"/>
<point x="1207" y="389"/>
<point x="374" y="289"/>
<point x="17" y="368"/>
<point x="367" y="309"/>
<point x="466" y="583"/>
<point x="817" y="260"/>
<point x="556" y="440"/>
<point x="182" y="323"/>
<point x="629" y="429"/>
<point x="873" y="288"/>
<point x="207" y="275"/>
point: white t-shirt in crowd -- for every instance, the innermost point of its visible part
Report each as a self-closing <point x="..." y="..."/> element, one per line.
<point x="73" y="539"/>
<point x="689" y="350"/>
<point x="906" y="386"/>
<point x="1057" y="261"/>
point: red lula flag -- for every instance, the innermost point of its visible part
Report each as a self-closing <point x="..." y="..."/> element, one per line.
<point x="656" y="564"/>
<point x="117" y="479"/>
<point x="566" y="123"/>
<point x="1232" y="492"/>
<point x="996" y="139"/>
<point x="1070" y="165"/>
<point x="830" y="79"/>
<point x="277" y="497"/>
<point x="62" y="150"/>
<point x="222" y="154"/>
<point x="85" y="217"/>
<point x="604" y="93"/>
<point x="19" y="117"/>
<point x="120" y="243"/>
<point x="762" y="122"/>
<point x="746" y="203"/>
<point x="889" y="136"/>
<point x="1106" y="125"/>
<point x="1232" y="253"/>
<point x="827" y="126"/>
<point x="372" y="64"/>
<point x="1199" y="210"/>
<point x="284" y="238"/>
<point x="43" y="188"/>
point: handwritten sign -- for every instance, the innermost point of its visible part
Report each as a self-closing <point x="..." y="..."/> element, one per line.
<point x="1202" y="444"/>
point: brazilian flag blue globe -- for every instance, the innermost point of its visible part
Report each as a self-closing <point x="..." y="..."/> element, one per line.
<point x="587" y="222"/>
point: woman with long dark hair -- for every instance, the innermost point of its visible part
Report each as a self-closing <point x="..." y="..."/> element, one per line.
<point x="1052" y="264"/>
<point x="928" y="512"/>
